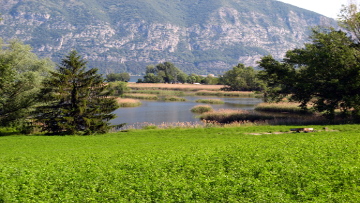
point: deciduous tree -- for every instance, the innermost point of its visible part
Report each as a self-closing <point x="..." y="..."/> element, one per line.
<point x="325" y="72"/>
<point x="21" y="73"/>
<point x="240" y="78"/>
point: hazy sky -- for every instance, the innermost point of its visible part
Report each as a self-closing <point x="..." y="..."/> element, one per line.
<point x="330" y="8"/>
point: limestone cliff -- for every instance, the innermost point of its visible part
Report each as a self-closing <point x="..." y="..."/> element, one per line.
<point x="122" y="35"/>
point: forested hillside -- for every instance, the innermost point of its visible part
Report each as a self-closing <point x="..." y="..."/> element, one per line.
<point x="201" y="36"/>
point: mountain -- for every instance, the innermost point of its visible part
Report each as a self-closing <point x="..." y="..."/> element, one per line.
<point x="198" y="36"/>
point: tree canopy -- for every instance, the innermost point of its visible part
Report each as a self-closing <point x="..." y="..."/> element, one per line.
<point x="240" y="78"/>
<point x="165" y="72"/>
<point x="76" y="100"/>
<point x="21" y="74"/>
<point x="326" y="72"/>
<point x="112" y="77"/>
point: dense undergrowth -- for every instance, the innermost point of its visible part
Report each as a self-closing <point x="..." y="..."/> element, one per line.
<point x="184" y="165"/>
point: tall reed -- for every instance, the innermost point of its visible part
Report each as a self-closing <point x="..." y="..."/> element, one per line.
<point x="201" y="109"/>
<point x="289" y="107"/>
<point x="128" y="102"/>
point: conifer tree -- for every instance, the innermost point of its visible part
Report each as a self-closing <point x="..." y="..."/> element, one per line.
<point x="76" y="100"/>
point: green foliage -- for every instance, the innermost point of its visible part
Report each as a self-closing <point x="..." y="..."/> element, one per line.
<point x="118" y="88"/>
<point x="184" y="165"/>
<point x="76" y="100"/>
<point x="163" y="73"/>
<point x="278" y="78"/>
<point x="325" y="72"/>
<point x="240" y="78"/>
<point x="349" y="19"/>
<point x="210" y="80"/>
<point x="112" y="77"/>
<point x="21" y="73"/>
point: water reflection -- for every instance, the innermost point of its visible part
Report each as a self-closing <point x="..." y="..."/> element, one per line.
<point x="158" y="112"/>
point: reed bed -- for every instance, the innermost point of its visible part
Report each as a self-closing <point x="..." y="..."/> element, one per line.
<point x="230" y="115"/>
<point x="158" y="92"/>
<point x="179" y="87"/>
<point x="127" y="102"/>
<point x="225" y="93"/>
<point x="289" y="107"/>
<point x="201" y="109"/>
<point x="210" y="101"/>
<point x="174" y="99"/>
<point x="141" y="96"/>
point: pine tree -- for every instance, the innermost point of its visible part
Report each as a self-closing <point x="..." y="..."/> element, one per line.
<point x="76" y="101"/>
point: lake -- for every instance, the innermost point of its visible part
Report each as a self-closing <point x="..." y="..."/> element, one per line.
<point x="158" y="112"/>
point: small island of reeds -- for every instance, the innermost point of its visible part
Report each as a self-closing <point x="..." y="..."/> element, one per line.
<point x="201" y="109"/>
<point x="210" y="101"/>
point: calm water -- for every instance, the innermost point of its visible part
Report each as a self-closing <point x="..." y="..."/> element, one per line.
<point x="157" y="112"/>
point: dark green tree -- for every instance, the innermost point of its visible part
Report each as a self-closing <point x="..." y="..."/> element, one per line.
<point x="277" y="78"/>
<point x="76" y="100"/>
<point x="112" y="77"/>
<point x="325" y="72"/>
<point x="240" y="78"/>
<point x="163" y="72"/>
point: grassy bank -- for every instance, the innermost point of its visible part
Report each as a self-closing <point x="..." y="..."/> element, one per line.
<point x="248" y="164"/>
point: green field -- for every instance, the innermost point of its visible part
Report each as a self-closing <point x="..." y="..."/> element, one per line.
<point x="184" y="165"/>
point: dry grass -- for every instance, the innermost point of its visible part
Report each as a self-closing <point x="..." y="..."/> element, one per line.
<point x="231" y="115"/>
<point x="225" y="93"/>
<point x="128" y="102"/>
<point x="289" y="107"/>
<point x="183" y="87"/>
<point x="141" y="96"/>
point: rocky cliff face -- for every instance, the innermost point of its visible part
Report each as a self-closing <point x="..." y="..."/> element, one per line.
<point x="226" y="37"/>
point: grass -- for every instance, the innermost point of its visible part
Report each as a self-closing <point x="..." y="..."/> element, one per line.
<point x="174" y="99"/>
<point x="141" y="96"/>
<point x="225" y="93"/>
<point x="201" y="109"/>
<point x="128" y="102"/>
<point x="177" y="87"/>
<point x="158" y="92"/>
<point x="210" y="101"/>
<point x="289" y="107"/>
<point x="230" y="115"/>
<point x="184" y="165"/>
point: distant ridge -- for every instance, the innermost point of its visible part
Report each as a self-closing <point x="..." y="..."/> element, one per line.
<point x="199" y="36"/>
